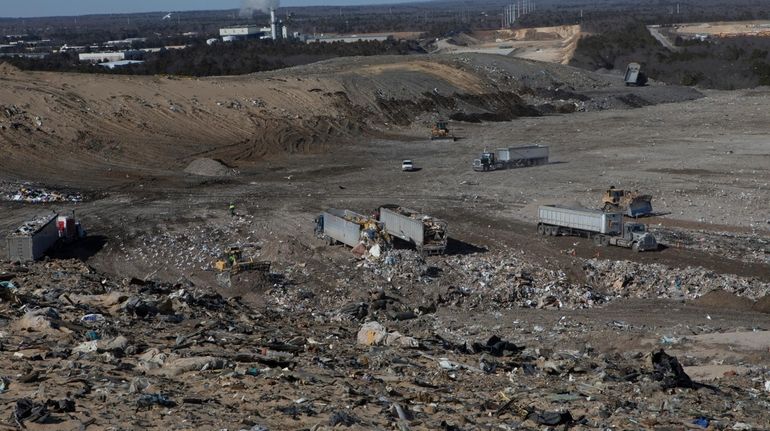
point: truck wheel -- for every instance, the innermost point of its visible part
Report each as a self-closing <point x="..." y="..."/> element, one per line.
<point x="554" y="231"/>
<point x="635" y="247"/>
<point x="541" y="229"/>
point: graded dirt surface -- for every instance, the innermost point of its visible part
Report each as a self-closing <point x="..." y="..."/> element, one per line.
<point x="724" y="29"/>
<point x="548" y="44"/>
<point x="280" y="351"/>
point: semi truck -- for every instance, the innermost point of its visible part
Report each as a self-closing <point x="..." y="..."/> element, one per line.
<point x="513" y="157"/>
<point x="346" y="227"/>
<point x="426" y="233"/>
<point x="603" y="227"/>
<point x="31" y="240"/>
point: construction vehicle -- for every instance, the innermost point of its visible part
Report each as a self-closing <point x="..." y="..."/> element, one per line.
<point x="426" y="233"/>
<point x="349" y="228"/>
<point x="604" y="228"/>
<point x="232" y="261"/>
<point x="440" y="132"/>
<point x="632" y="204"/>
<point x="634" y="75"/>
<point x="513" y="157"/>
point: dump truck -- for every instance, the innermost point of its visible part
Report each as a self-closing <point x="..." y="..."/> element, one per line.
<point x="440" y="132"/>
<point x="38" y="235"/>
<point x="426" y="233"/>
<point x="632" y="204"/>
<point x="513" y="157"/>
<point x="348" y="227"/>
<point x="634" y="75"/>
<point x="604" y="228"/>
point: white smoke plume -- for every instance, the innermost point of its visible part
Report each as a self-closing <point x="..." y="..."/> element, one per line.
<point x="248" y="7"/>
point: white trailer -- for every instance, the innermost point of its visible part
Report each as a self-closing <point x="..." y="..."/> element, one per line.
<point x="428" y="234"/>
<point x="32" y="239"/>
<point x="604" y="228"/>
<point x="512" y="157"/>
<point x="345" y="226"/>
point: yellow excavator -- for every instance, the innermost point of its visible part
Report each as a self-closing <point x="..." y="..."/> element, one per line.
<point x="632" y="204"/>
<point x="232" y="261"/>
<point x="440" y="131"/>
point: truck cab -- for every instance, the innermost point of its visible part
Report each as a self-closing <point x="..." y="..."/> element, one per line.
<point x="486" y="162"/>
<point x="640" y="239"/>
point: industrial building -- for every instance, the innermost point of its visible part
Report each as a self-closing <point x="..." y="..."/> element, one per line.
<point x="276" y="31"/>
<point x="230" y="34"/>
<point x="107" y="56"/>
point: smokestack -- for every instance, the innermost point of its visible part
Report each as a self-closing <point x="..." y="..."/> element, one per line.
<point x="273" y="24"/>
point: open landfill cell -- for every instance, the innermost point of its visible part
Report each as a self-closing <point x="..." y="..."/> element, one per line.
<point x="133" y="328"/>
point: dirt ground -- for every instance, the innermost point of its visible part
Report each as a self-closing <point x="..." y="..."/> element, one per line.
<point x="588" y="317"/>
<point x="549" y="44"/>
<point x="724" y="29"/>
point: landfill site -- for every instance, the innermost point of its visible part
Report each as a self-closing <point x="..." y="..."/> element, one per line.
<point x="445" y="242"/>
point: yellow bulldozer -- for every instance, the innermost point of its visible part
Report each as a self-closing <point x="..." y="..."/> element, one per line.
<point x="632" y="204"/>
<point x="440" y="131"/>
<point x="232" y="261"/>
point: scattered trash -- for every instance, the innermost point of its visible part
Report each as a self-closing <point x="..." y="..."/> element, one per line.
<point x="371" y="334"/>
<point x="91" y="318"/>
<point x="668" y="341"/>
<point x="38" y="195"/>
<point x="31" y="411"/>
<point x="701" y="422"/>
<point x="550" y="418"/>
<point x="149" y="400"/>
<point x="668" y="371"/>
<point x="342" y="418"/>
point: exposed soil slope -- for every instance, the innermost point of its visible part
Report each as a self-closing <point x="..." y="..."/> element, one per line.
<point x="114" y="126"/>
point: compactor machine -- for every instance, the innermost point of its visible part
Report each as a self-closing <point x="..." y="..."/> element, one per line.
<point x="232" y="261"/>
<point x="632" y="204"/>
<point x="440" y="132"/>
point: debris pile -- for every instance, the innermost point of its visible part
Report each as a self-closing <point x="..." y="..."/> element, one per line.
<point x="31" y="194"/>
<point x="193" y="247"/>
<point x="31" y="226"/>
<point x="505" y="281"/>
<point x="624" y="279"/>
<point x="87" y="350"/>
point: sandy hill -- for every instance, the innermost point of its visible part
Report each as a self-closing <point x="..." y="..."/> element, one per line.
<point x="115" y="126"/>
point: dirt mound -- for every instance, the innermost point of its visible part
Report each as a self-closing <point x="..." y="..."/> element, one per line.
<point x="725" y="301"/>
<point x="762" y="305"/>
<point x="8" y="69"/>
<point x="206" y="167"/>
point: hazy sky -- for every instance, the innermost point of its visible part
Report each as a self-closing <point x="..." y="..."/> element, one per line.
<point x="29" y="8"/>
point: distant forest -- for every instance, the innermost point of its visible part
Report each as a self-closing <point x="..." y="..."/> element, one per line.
<point x="232" y="58"/>
<point x="729" y="63"/>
